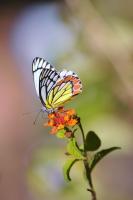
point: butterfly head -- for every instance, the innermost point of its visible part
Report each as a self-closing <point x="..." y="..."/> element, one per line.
<point x="49" y="111"/>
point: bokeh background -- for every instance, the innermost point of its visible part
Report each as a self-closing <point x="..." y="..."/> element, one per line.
<point x="93" y="38"/>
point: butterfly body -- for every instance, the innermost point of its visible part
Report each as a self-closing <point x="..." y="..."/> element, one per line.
<point x="54" y="88"/>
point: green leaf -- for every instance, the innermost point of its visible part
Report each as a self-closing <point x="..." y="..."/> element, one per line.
<point x="67" y="167"/>
<point x="61" y="133"/>
<point x="72" y="149"/>
<point x="99" y="155"/>
<point x="92" y="142"/>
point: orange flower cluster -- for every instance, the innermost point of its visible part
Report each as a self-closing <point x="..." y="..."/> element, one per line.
<point x="62" y="119"/>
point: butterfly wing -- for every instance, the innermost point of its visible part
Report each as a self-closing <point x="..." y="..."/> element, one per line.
<point x="47" y="81"/>
<point x="66" y="87"/>
<point x="45" y="77"/>
<point x="38" y="65"/>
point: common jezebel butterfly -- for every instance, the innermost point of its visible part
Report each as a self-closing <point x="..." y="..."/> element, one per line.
<point x="54" y="88"/>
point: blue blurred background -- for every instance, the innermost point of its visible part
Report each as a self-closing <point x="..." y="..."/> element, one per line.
<point x="93" y="38"/>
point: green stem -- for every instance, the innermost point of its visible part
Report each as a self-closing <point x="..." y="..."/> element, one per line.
<point x="86" y="165"/>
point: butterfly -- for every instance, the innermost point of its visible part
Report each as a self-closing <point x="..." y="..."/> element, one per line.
<point x="52" y="87"/>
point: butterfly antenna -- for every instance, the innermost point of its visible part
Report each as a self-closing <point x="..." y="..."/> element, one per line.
<point x="29" y="113"/>
<point x="37" y="116"/>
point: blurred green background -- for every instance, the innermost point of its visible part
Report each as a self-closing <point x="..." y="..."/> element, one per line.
<point x="95" y="39"/>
